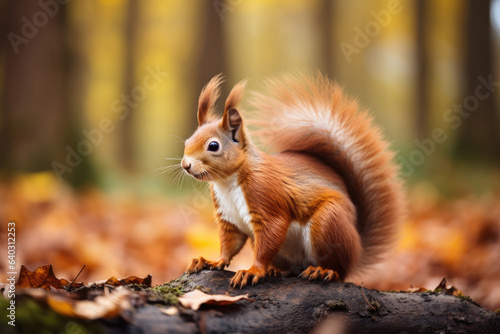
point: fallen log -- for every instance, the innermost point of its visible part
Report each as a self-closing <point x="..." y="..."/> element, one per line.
<point x="293" y="305"/>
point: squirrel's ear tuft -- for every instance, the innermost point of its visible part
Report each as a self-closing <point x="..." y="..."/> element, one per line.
<point x="232" y="121"/>
<point x="208" y="97"/>
<point x="235" y="96"/>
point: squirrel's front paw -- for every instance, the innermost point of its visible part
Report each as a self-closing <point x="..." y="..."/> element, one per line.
<point x="198" y="264"/>
<point x="242" y="276"/>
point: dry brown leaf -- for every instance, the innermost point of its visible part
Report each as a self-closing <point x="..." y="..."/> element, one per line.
<point x="448" y="290"/>
<point x="129" y="280"/>
<point x="43" y="277"/>
<point x="196" y="298"/>
<point x="442" y="285"/>
<point x="113" y="281"/>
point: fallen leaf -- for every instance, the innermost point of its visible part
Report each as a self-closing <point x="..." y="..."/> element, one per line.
<point x="448" y="290"/>
<point x="130" y="280"/>
<point x="172" y="310"/>
<point x="112" y="281"/>
<point x="442" y="285"/>
<point x="43" y="277"/>
<point x="196" y="298"/>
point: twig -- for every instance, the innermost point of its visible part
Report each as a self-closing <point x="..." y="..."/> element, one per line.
<point x="363" y="292"/>
<point x="77" y="276"/>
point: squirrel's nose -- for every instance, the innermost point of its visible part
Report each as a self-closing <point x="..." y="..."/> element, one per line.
<point x="185" y="164"/>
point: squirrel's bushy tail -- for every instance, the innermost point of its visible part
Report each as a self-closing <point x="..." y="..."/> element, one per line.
<point x="310" y="114"/>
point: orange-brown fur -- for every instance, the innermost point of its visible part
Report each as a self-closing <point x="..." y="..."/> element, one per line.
<point x="331" y="176"/>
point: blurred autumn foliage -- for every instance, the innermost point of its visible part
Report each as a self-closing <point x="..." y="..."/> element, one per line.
<point x="122" y="236"/>
<point x="118" y="236"/>
<point x="457" y="239"/>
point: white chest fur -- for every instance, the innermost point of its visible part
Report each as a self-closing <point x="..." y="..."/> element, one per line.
<point x="297" y="248"/>
<point x="233" y="206"/>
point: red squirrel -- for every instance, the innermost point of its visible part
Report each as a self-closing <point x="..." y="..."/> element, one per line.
<point x="328" y="200"/>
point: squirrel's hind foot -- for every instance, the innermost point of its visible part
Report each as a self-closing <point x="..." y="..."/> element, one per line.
<point x="319" y="273"/>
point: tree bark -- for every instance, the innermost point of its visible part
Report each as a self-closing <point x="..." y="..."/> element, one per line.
<point x="211" y="59"/>
<point x="127" y="146"/>
<point x="422" y="96"/>
<point x="479" y="134"/>
<point x="293" y="305"/>
<point x="32" y="103"/>
<point x="325" y="19"/>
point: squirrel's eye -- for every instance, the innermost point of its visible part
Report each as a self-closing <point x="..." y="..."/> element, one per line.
<point x="213" y="146"/>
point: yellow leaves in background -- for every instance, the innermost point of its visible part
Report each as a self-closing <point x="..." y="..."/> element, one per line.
<point x="262" y="32"/>
<point x="111" y="3"/>
<point x="203" y="237"/>
<point x="446" y="245"/>
<point x="37" y="187"/>
<point x="28" y="192"/>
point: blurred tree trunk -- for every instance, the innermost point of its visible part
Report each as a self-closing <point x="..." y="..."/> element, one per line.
<point x="126" y="145"/>
<point x="32" y="112"/>
<point x="325" y="17"/>
<point x="422" y="96"/>
<point x="75" y="91"/>
<point x="4" y="44"/>
<point x="211" y="60"/>
<point x="479" y="133"/>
